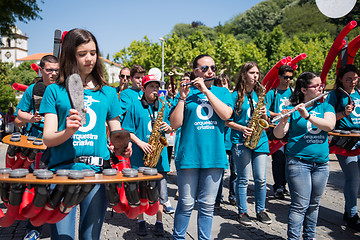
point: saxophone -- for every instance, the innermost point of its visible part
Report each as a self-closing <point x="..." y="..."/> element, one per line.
<point x="156" y="140"/>
<point x="256" y="123"/>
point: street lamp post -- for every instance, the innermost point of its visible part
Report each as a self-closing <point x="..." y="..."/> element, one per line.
<point x="162" y="58"/>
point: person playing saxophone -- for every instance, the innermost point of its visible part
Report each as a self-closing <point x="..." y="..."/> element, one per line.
<point x="250" y="142"/>
<point x="141" y="120"/>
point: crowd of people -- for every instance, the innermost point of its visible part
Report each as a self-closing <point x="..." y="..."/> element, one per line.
<point x="216" y="128"/>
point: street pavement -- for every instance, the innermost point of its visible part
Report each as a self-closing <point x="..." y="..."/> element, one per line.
<point x="118" y="226"/>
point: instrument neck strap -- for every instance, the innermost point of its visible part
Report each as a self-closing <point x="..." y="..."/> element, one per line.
<point x="251" y="101"/>
<point x="155" y="108"/>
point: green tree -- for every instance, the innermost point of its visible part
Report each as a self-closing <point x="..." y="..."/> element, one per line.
<point x="23" y="74"/>
<point x="185" y="30"/>
<point x="7" y="94"/>
<point x="269" y="44"/>
<point x="315" y="48"/>
<point x="230" y="54"/>
<point x="306" y="18"/>
<point x="178" y="52"/>
<point x="142" y="52"/>
<point x="264" y="16"/>
<point x="11" y="11"/>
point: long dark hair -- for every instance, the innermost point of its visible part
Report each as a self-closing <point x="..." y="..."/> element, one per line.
<point x="240" y="87"/>
<point x="342" y="71"/>
<point x="68" y="63"/>
<point x="303" y="81"/>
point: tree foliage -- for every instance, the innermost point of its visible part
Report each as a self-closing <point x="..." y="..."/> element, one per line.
<point x="295" y="16"/>
<point x="230" y="53"/>
<point x="23" y="74"/>
<point x="11" y="11"/>
<point x="262" y="17"/>
<point x="265" y="33"/>
<point x="184" y="30"/>
<point x="306" y="18"/>
<point x="7" y="94"/>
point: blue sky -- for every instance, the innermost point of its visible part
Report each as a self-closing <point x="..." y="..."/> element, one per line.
<point x="116" y="23"/>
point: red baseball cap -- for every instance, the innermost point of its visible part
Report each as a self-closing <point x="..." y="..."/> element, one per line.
<point x="150" y="78"/>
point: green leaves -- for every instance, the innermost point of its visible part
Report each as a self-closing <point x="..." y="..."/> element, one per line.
<point x="230" y="53"/>
<point x="7" y="94"/>
<point x="23" y="10"/>
<point x="22" y="74"/>
<point x="265" y="33"/>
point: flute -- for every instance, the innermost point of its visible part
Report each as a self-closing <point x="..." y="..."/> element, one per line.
<point x="278" y="117"/>
<point x="205" y="80"/>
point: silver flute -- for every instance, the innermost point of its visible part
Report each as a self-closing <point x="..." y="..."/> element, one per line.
<point x="282" y="115"/>
<point x="205" y="80"/>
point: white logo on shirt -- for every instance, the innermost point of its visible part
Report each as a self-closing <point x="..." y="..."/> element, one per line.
<point x="309" y="125"/>
<point x="284" y="103"/>
<point x="88" y="100"/>
<point x="204" y="104"/>
<point x="357" y="105"/>
<point x="199" y="111"/>
<point x="149" y="126"/>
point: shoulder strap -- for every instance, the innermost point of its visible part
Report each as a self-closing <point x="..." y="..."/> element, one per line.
<point x="338" y="100"/>
<point x="272" y="107"/>
<point x="250" y="99"/>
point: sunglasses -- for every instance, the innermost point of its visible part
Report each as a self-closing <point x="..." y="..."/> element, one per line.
<point x="288" y="77"/>
<point x="206" y="68"/>
<point x="50" y="70"/>
<point x="321" y="86"/>
<point x="125" y="76"/>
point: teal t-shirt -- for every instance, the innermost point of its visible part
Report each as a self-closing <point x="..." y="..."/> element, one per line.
<point x="26" y="104"/>
<point x="138" y="122"/>
<point x="201" y="143"/>
<point x="243" y="117"/>
<point x="170" y="101"/>
<point x="127" y="98"/>
<point x="305" y="140"/>
<point x="279" y="102"/>
<point x="90" y="139"/>
<point x="353" y="120"/>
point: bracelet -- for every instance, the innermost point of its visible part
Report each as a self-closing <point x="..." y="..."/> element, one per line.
<point x="343" y="113"/>
<point x="308" y="117"/>
<point x="182" y="99"/>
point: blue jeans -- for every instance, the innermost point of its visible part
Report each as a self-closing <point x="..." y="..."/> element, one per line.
<point x="92" y="214"/>
<point x="246" y="159"/>
<point x="201" y="184"/>
<point x="307" y="181"/>
<point x="351" y="169"/>
<point x="219" y="195"/>
<point x="163" y="191"/>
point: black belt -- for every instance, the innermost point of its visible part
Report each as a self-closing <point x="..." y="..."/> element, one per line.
<point x="90" y="160"/>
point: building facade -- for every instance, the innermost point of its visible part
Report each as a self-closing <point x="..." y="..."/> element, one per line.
<point x="12" y="49"/>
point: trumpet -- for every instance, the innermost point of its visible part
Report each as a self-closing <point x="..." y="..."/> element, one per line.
<point x="282" y="115"/>
<point x="205" y="80"/>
